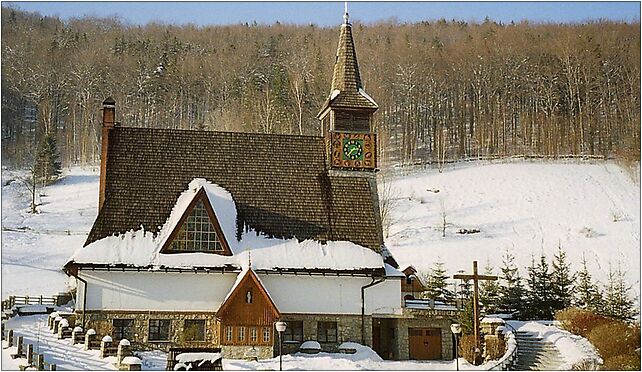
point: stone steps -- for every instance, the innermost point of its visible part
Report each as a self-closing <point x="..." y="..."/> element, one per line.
<point x="536" y="354"/>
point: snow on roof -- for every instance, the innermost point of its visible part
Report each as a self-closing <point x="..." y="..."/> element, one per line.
<point x="391" y="272"/>
<point x="141" y="249"/>
<point x="364" y="94"/>
<point x="334" y="94"/>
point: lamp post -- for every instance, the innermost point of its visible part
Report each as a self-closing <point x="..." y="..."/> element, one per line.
<point x="456" y="330"/>
<point x="280" y="327"/>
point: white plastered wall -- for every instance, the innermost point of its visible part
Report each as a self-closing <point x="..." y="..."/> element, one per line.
<point x="155" y="291"/>
<point x="160" y="291"/>
<point x="332" y="295"/>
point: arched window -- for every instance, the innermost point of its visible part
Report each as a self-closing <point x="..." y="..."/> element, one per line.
<point x="248" y="297"/>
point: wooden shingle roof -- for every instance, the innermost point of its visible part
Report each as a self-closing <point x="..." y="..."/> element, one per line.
<point x="346" y="77"/>
<point x="280" y="184"/>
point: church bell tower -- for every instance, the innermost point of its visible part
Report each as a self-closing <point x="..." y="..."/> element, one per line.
<point x="346" y="115"/>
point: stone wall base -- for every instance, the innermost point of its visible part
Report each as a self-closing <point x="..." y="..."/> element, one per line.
<point x="242" y="352"/>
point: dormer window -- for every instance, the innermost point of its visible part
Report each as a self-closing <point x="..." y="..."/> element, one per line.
<point x="198" y="230"/>
<point x="197" y="234"/>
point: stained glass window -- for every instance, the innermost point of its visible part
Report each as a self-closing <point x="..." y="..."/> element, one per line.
<point x="197" y="234"/>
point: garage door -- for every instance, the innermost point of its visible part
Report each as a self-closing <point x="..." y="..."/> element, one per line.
<point x="424" y="343"/>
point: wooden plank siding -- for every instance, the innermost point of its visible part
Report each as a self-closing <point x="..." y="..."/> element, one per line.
<point x="237" y="312"/>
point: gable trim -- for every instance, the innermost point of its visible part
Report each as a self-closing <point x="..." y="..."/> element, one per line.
<point x="202" y="196"/>
<point x="249" y="275"/>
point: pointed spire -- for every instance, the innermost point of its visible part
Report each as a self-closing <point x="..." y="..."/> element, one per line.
<point x="346" y="68"/>
<point x="346" y="90"/>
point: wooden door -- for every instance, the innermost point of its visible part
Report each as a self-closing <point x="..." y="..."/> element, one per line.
<point x="424" y="343"/>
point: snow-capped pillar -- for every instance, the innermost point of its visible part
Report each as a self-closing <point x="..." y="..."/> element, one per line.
<point x="109" y="116"/>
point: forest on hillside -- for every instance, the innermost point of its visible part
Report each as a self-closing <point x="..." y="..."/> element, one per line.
<point x="446" y="89"/>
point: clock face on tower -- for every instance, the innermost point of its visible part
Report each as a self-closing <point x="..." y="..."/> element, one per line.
<point x="352" y="149"/>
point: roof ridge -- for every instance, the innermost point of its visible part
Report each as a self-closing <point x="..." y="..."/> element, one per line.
<point x="218" y="132"/>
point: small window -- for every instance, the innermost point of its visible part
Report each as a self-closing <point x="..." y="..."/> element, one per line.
<point x="248" y="297"/>
<point x="194" y="330"/>
<point x="159" y="329"/>
<point x="266" y="334"/>
<point x="327" y="331"/>
<point x="241" y="333"/>
<point x="253" y="334"/>
<point x="228" y="334"/>
<point x="123" y="329"/>
<point x="293" y="332"/>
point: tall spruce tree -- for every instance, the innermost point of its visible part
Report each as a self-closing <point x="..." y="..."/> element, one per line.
<point x="540" y="294"/>
<point x="562" y="281"/>
<point x="617" y="302"/>
<point x="47" y="165"/>
<point x="489" y="290"/>
<point x="511" y="288"/>
<point x="587" y="294"/>
<point x="437" y="286"/>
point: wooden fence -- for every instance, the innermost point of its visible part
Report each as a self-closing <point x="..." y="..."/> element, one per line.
<point x="34" y="300"/>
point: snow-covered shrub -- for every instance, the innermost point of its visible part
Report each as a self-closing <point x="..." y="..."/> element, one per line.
<point x="310" y="347"/>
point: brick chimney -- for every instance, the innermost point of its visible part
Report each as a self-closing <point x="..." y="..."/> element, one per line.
<point x="109" y="114"/>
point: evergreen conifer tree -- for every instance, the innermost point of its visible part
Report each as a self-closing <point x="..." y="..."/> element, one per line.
<point x="511" y="288"/>
<point x="587" y="294"/>
<point x="489" y="290"/>
<point x="48" y="166"/>
<point x="539" y="294"/>
<point x="562" y="281"/>
<point x="437" y="286"/>
<point x="617" y="303"/>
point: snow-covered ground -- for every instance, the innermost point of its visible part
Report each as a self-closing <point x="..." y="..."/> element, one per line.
<point x="72" y="357"/>
<point x="525" y="207"/>
<point x="35" y="246"/>
<point x="576" y="350"/>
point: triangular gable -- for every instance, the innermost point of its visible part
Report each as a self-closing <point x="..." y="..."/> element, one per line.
<point x="198" y="230"/>
<point x="238" y="298"/>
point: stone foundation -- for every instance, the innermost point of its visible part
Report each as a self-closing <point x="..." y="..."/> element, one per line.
<point x="241" y="352"/>
<point x="101" y="321"/>
<point x="348" y="329"/>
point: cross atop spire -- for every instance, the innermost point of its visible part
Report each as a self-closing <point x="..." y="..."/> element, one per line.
<point x="346" y="16"/>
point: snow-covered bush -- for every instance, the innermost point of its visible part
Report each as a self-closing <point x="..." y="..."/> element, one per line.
<point x="310" y="347"/>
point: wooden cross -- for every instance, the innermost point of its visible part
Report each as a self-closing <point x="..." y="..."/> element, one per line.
<point x="476" y="278"/>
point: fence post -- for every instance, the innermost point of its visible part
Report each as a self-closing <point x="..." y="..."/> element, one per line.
<point x="19" y="346"/>
<point x="10" y="337"/>
<point x="40" y="302"/>
<point x="26" y="300"/>
<point x="29" y="354"/>
<point x="123" y="350"/>
<point x="89" y="337"/>
<point x="40" y="362"/>
<point x="52" y="367"/>
<point x="105" y="344"/>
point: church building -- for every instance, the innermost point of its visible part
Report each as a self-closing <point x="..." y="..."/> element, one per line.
<point x="206" y="239"/>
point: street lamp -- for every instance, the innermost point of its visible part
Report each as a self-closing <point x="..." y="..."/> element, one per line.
<point x="280" y="327"/>
<point x="456" y="329"/>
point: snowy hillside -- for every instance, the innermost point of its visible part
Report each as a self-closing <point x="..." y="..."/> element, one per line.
<point x="35" y="246"/>
<point x="525" y="207"/>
